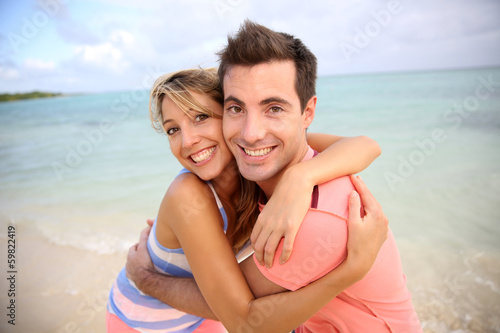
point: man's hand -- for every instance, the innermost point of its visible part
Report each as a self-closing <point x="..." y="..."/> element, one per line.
<point x="178" y="292"/>
<point x="138" y="259"/>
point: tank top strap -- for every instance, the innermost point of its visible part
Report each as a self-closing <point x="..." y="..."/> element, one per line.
<point x="217" y="200"/>
<point x="219" y="205"/>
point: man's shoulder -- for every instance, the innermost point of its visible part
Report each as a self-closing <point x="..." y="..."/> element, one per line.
<point x="333" y="196"/>
<point x="320" y="244"/>
<point x="319" y="247"/>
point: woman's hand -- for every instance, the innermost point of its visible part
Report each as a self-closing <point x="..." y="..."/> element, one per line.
<point x="368" y="227"/>
<point x="282" y="217"/>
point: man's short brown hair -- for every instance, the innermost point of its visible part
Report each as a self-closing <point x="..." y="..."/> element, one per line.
<point x="255" y="44"/>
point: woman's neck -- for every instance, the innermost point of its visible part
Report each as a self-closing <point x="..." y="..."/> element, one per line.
<point x="227" y="184"/>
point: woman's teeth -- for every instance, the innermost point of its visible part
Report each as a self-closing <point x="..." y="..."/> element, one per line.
<point x="203" y="155"/>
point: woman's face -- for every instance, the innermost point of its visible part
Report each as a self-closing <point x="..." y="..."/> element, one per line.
<point x="196" y="138"/>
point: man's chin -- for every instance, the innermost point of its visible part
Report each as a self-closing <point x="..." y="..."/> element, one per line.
<point x="254" y="174"/>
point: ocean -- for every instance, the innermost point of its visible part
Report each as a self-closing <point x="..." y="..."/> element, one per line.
<point x="80" y="174"/>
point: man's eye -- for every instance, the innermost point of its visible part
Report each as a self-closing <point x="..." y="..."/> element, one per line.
<point x="171" y="131"/>
<point x="276" y="109"/>
<point x="235" y="109"/>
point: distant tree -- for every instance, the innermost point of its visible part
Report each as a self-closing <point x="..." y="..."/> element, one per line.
<point x="29" y="95"/>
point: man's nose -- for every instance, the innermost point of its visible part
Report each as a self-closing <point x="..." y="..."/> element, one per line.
<point x="254" y="128"/>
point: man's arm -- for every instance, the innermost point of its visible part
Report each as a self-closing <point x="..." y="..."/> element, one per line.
<point x="183" y="293"/>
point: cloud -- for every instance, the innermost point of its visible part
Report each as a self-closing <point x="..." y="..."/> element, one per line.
<point x="101" y="55"/>
<point x="76" y="32"/>
<point x="9" y="74"/>
<point x="67" y="27"/>
<point x="110" y="44"/>
<point x="122" y="37"/>
<point x="39" y="65"/>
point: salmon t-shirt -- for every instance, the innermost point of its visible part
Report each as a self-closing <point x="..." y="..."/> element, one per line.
<point x="380" y="302"/>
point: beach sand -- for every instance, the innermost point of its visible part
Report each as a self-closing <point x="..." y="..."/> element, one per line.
<point x="61" y="288"/>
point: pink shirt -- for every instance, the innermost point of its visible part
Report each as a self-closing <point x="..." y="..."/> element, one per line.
<point x="380" y="302"/>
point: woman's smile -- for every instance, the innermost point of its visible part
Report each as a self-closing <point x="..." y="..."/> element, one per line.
<point x="203" y="155"/>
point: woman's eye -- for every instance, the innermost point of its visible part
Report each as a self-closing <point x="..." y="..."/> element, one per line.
<point x="171" y="131"/>
<point x="201" y="117"/>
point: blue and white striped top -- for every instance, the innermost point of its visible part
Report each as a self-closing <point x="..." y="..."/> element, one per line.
<point x="147" y="314"/>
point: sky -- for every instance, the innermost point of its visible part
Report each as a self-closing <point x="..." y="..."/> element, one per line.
<point x="76" y="46"/>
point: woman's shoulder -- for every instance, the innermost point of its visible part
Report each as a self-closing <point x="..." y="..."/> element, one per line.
<point x="176" y="208"/>
<point x="189" y="201"/>
<point x="186" y="184"/>
<point x="188" y="189"/>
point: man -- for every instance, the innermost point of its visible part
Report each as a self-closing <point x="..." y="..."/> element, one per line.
<point x="269" y="101"/>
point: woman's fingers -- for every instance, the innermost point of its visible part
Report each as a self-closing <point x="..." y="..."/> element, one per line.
<point x="288" y="242"/>
<point x="259" y="239"/>
<point x="270" y="248"/>
<point x="370" y="204"/>
<point x="354" y="207"/>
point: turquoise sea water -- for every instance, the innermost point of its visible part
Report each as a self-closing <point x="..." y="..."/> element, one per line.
<point x="80" y="174"/>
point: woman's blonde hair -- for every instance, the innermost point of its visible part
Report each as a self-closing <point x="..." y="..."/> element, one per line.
<point x="177" y="87"/>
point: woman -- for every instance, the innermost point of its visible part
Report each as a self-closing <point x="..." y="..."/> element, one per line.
<point x="207" y="216"/>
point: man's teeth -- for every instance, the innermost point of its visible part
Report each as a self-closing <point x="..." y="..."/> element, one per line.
<point x="258" y="152"/>
<point x="203" y="155"/>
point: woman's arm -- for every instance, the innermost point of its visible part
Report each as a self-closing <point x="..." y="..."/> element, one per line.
<point x="339" y="156"/>
<point x="180" y="293"/>
<point x="221" y="281"/>
<point x="291" y="199"/>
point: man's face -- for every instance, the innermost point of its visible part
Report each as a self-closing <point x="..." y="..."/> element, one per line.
<point x="262" y="123"/>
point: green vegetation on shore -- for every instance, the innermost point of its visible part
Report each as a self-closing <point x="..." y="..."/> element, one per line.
<point x="34" y="94"/>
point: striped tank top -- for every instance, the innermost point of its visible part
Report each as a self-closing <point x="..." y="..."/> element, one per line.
<point x="148" y="314"/>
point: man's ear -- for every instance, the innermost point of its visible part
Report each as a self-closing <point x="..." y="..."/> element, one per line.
<point x="309" y="111"/>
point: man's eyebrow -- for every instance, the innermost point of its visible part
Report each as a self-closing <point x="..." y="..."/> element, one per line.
<point x="274" y="99"/>
<point x="231" y="98"/>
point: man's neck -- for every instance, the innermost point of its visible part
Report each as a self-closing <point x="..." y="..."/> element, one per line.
<point x="269" y="185"/>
